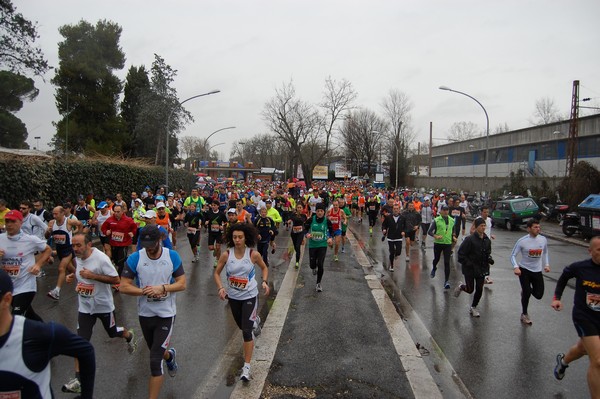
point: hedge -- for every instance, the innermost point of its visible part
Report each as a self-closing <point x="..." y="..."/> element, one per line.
<point x="55" y="180"/>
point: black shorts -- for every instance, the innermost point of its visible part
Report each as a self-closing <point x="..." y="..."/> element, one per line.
<point x="86" y="321"/>
<point x="214" y="238"/>
<point x="410" y="235"/>
<point x="63" y="253"/>
<point x="425" y="228"/>
<point x="105" y="239"/>
<point x="586" y="327"/>
<point x="354" y="206"/>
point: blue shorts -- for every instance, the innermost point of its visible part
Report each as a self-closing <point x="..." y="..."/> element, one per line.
<point x="337" y="232"/>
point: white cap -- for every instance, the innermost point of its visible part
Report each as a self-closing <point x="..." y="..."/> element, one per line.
<point x="231" y="210"/>
<point x="139" y="200"/>
<point x="170" y="194"/>
<point x="160" y="205"/>
<point x="427" y="199"/>
<point x="149" y="214"/>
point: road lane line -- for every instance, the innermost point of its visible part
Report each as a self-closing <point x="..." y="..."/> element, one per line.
<point x="420" y="379"/>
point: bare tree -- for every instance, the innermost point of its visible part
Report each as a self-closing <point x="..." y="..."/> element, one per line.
<point x="396" y="108"/>
<point x="545" y="112"/>
<point x="188" y="146"/>
<point x="361" y="135"/>
<point x="501" y="128"/>
<point x="302" y="127"/>
<point x="460" y="131"/>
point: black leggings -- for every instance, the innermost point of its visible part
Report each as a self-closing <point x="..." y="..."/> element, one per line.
<point x="395" y="250"/>
<point x="532" y="283"/>
<point x="263" y="250"/>
<point x="157" y="334"/>
<point x="317" y="258"/>
<point x="474" y="284"/>
<point x="244" y="314"/>
<point x="86" y="321"/>
<point x="437" y="252"/>
<point x="119" y="256"/>
<point x="297" y="241"/>
<point x="372" y="218"/>
<point x="21" y="304"/>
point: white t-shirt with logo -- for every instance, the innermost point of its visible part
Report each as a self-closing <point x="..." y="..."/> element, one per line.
<point x="18" y="257"/>
<point x="94" y="296"/>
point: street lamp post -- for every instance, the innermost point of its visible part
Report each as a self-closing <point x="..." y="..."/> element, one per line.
<point x="212" y="134"/>
<point x="471" y="147"/>
<point x="38" y="142"/>
<point x="487" y="131"/>
<point x="169" y="127"/>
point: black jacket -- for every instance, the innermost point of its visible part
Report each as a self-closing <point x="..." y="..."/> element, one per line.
<point x="474" y="254"/>
<point x="394" y="228"/>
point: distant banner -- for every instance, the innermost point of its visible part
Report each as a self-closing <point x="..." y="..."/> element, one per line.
<point x="378" y="177"/>
<point x="320" y="172"/>
<point x="341" y="171"/>
<point x="299" y="173"/>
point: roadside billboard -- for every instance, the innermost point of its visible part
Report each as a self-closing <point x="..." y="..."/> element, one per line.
<point x="341" y="172"/>
<point x="320" y="172"/>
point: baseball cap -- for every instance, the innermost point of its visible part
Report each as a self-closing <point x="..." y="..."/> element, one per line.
<point x="445" y="208"/>
<point x="80" y="197"/>
<point x="479" y="221"/>
<point x="13" y="215"/>
<point x="320" y="205"/>
<point x="150" y="235"/>
<point x="160" y="197"/>
<point x="160" y="205"/>
<point x="268" y="201"/>
<point x="6" y="284"/>
<point x="149" y="214"/>
<point x="426" y="198"/>
<point x="102" y="205"/>
<point x="442" y="195"/>
<point x="170" y="194"/>
<point x="139" y="200"/>
<point x="231" y="210"/>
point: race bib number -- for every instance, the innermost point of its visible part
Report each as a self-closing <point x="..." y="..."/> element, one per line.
<point x="85" y="290"/>
<point x="12" y="266"/>
<point x="317" y="236"/>
<point x="191" y="230"/>
<point x="10" y="395"/>
<point x="593" y="301"/>
<point x="297" y="229"/>
<point x="535" y="253"/>
<point x="455" y="212"/>
<point x="60" y="239"/>
<point x="334" y="219"/>
<point x="371" y="207"/>
<point x="215" y="228"/>
<point x="238" y="283"/>
<point x="118" y="236"/>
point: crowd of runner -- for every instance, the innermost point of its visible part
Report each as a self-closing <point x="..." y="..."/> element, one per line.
<point x="240" y="222"/>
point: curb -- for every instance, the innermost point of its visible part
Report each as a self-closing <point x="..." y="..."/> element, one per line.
<point x="420" y="379"/>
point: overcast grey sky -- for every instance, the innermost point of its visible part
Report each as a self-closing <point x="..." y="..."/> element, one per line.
<point x="506" y="53"/>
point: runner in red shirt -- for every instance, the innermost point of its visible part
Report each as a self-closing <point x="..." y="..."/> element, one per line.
<point x="336" y="216"/>
<point x="120" y="228"/>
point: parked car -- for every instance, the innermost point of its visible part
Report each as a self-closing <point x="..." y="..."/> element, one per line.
<point x="514" y="212"/>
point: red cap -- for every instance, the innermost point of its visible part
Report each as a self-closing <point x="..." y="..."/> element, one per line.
<point x="14" y="215"/>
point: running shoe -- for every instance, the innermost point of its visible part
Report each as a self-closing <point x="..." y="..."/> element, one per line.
<point x="458" y="290"/>
<point x="433" y="272"/>
<point x="371" y="231"/>
<point x="272" y="251"/>
<point x="54" y="294"/>
<point x="297" y="265"/>
<point x="335" y="258"/>
<point x="474" y="312"/>
<point x="422" y="245"/>
<point x="526" y="320"/>
<point x="172" y="364"/>
<point x="407" y="259"/>
<point x="245" y="374"/>
<point x="256" y="329"/>
<point x="319" y="288"/>
<point x="314" y="271"/>
<point x="392" y="269"/>
<point x="446" y="285"/>
<point x="488" y="280"/>
<point x="560" y="368"/>
<point x="132" y="343"/>
<point x="73" y="386"/>
<point x="343" y="250"/>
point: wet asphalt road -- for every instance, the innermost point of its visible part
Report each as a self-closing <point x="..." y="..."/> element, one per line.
<point x="494" y="356"/>
<point x="203" y="329"/>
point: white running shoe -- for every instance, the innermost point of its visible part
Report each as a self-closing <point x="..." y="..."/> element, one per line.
<point x="245" y="374"/>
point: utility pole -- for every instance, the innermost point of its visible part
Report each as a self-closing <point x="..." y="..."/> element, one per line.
<point x="573" y="130"/>
<point x="430" y="145"/>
